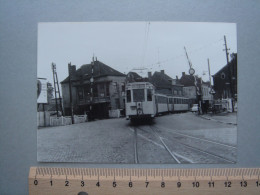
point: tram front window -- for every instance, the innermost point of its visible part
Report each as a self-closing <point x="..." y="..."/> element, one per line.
<point x="149" y="95"/>
<point x="138" y="95"/>
<point x="128" y="96"/>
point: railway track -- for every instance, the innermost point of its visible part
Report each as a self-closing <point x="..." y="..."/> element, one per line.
<point x="157" y="137"/>
<point x="177" y="138"/>
<point x="161" y="143"/>
<point x="135" y="146"/>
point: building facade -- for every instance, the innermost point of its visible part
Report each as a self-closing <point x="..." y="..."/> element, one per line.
<point x="225" y="80"/>
<point x="190" y="91"/>
<point x="164" y="84"/>
<point x="96" y="89"/>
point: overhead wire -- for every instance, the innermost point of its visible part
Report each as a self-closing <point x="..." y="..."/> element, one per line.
<point x="161" y="62"/>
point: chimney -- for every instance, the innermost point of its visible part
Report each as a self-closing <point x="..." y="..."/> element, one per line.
<point x="177" y="77"/>
<point x="149" y="75"/>
<point x="162" y="71"/>
<point x="72" y="69"/>
<point x="183" y="73"/>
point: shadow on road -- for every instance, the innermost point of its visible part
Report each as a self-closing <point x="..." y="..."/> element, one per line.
<point x="141" y="122"/>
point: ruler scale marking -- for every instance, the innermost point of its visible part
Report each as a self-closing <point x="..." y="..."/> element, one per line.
<point x="43" y="180"/>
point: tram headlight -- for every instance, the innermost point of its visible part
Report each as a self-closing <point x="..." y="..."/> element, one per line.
<point x="139" y="111"/>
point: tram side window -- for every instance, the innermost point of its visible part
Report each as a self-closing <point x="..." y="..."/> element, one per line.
<point x="149" y="95"/>
<point x="128" y="96"/>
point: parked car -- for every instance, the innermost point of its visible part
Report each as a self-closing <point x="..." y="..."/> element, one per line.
<point x="194" y="108"/>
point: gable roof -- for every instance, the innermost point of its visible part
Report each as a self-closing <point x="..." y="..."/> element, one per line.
<point x="161" y="80"/>
<point x="99" y="69"/>
<point x="232" y="62"/>
<point x="188" y="80"/>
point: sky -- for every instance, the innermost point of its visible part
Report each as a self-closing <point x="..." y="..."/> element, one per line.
<point x="131" y="46"/>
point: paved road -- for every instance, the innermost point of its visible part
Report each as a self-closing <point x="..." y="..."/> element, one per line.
<point x="174" y="138"/>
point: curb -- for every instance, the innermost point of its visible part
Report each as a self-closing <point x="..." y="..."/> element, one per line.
<point x="208" y="118"/>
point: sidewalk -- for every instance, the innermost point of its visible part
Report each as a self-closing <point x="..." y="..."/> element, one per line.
<point x="224" y="117"/>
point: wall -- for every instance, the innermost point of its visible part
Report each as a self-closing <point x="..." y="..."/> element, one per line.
<point x="205" y="93"/>
<point x="116" y="91"/>
<point x="189" y="92"/>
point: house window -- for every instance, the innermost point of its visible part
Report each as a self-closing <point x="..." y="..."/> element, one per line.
<point x="223" y="75"/>
<point x="80" y="94"/>
<point x="101" y="89"/>
<point x="87" y="91"/>
<point x="107" y="90"/>
<point x="117" y="103"/>
<point x="95" y="91"/>
<point x="123" y="87"/>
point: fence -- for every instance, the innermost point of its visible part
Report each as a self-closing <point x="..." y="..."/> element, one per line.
<point x="44" y="119"/>
<point x="60" y="121"/>
<point x="80" y="118"/>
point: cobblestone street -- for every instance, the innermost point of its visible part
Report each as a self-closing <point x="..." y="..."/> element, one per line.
<point x="174" y="138"/>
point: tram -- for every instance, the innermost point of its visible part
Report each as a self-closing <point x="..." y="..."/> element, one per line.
<point x="143" y="102"/>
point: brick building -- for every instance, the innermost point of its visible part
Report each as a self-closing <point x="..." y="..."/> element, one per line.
<point x="225" y="80"/>
<point x="164" y="84"/>
<point x="107" y="90"/>
<point x="189" y="89"/>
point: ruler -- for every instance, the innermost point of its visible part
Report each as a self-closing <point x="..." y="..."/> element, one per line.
<point x="89" y="181"/>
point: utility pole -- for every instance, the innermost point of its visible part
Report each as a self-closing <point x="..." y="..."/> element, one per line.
<point x="229" y="74"/>
<point x="212" y="92"/>
<point x="56" y="83"/>
<point x="209" y="73"/>
<point x="71" y="103"/>
<point x="91" y="86"/>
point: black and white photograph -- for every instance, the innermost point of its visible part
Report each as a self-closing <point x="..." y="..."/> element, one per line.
<point x="137" y="92"/>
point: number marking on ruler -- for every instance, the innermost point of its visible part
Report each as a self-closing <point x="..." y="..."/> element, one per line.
<point x="88" y="181"/>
